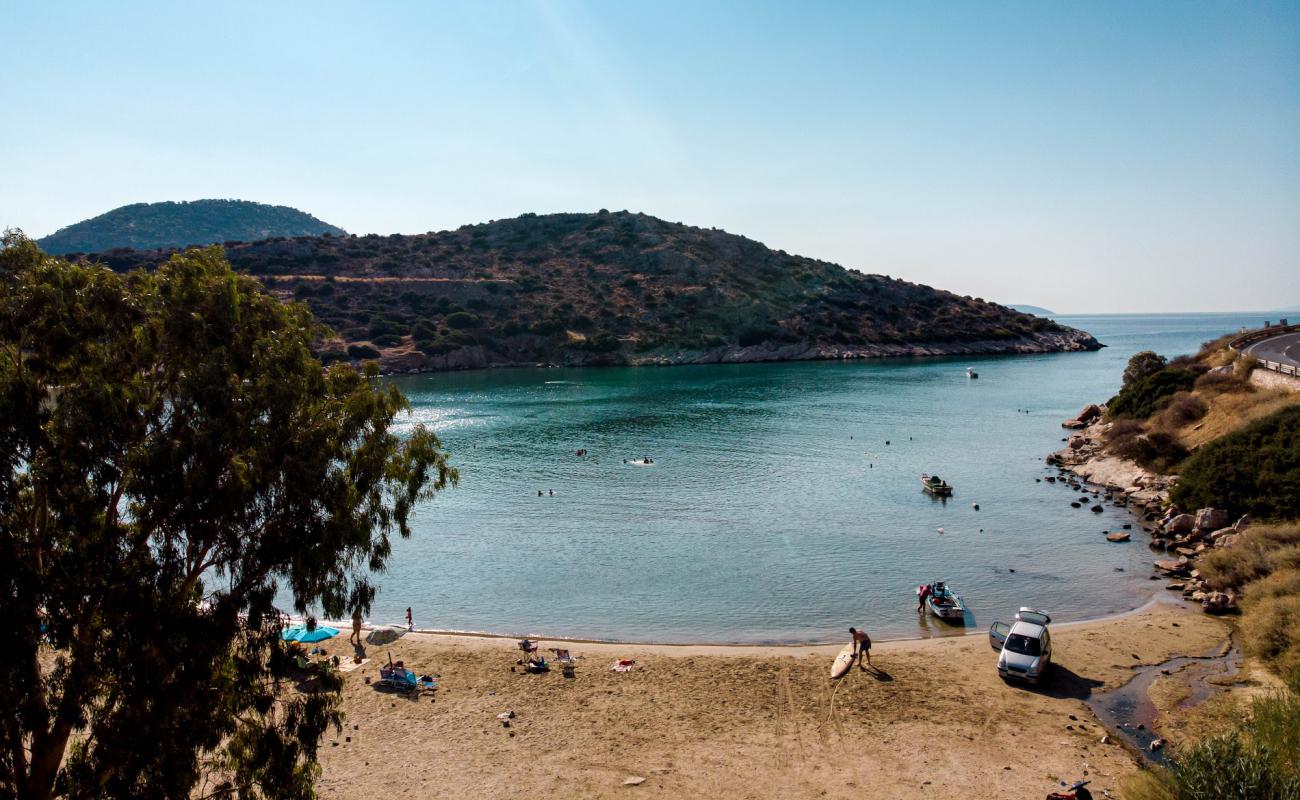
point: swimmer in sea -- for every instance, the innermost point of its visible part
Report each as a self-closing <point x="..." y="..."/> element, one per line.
<point x="552" y="491"/>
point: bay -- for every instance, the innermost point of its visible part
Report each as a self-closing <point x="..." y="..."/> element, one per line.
<point x="784" y="501"/>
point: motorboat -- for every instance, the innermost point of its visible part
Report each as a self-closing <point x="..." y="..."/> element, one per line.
<point x="935" y="485"/>
<point x="944" y="603"/>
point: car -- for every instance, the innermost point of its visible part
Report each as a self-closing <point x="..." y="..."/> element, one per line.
<point x="1024" y="647"/>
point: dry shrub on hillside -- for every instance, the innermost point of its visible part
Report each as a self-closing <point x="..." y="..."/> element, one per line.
<point x="1260" y="551"/>
<point x="1183" y="409"/>
<point x="1270" y="627"/>
<point x="1221" y="383"/>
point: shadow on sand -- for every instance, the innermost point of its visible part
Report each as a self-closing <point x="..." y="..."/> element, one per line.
<point x="1063" y="683"/>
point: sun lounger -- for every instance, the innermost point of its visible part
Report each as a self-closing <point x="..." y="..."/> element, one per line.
<point x="562" y="656"/>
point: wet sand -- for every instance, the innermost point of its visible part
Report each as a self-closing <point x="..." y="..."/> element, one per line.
<point x="933" y="719"/>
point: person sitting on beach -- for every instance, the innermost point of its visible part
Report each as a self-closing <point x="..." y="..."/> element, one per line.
<point x="861" y="645"/>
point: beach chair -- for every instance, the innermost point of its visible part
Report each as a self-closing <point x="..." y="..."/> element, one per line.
<point x="562" y="656"/>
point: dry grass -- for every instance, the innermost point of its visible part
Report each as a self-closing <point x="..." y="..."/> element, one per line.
<point x="1232" y="411"/>
<point x="1260" y="551"/>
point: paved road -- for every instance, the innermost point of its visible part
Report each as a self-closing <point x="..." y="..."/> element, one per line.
<point x="1284" y="348"/>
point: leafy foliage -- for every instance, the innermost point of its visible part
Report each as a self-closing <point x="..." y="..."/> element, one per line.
<point x="652" y="286"/>
<point x="1141" y="365"/>
<point x="1258" y="761"/>
<point x="147" y="226"/>
<point x="172" y="455"/>
<point x="1255" y="469"/>
<point x="1144" y="396"/>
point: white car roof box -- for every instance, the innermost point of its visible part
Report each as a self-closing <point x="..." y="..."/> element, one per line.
<point x="1032" y="616"/>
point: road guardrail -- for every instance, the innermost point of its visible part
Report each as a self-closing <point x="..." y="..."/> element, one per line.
<point x="1251" y="337"/>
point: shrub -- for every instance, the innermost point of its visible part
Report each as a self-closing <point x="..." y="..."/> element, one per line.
<point x="362" y="351"/>
<point x="757" y="335"/>
<point x="1156" y="451"/>
<point x="1270" y="627"/>
<point x="1182" y="409"/>
<point x="1221" y="382"/>
<point x="1144" y="396"/>
<point x="462" y="320"/>
<point x="1142" y="365"/>
<point x="387" y="340"/>
<point x="1256" y="761"/>
<point x="424" y="329"/>
<point x="1255" y="469"/>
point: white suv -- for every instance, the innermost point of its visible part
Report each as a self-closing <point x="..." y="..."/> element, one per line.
<point x="1025" y="647"/>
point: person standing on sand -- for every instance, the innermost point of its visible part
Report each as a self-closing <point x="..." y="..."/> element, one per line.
<point x="861" y="646"/>
<point x="922" y="593"/>
<point x="356" y="626"/>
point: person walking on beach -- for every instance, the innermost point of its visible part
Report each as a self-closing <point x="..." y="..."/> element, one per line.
<point x="861" y="646"/>
<point x="410" y="623"/>
<point x="356" y="626"/>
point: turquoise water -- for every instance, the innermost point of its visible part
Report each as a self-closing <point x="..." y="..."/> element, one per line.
<point x="775" y="510"/>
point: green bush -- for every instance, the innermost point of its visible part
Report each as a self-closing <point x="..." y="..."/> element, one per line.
<point x="387" y="340"/>
<point x="1255" y="470"/>
<point x="362" y="351"/>
<point x="1256" y="761"/>
<point x="462" y="320"/>
<point x="1144" y="396"/>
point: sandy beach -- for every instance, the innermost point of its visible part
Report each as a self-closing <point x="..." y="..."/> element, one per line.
<point x="933" y="720"/>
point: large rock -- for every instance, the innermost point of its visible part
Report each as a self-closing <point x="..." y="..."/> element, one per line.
<point x="1182" y="523"/>
<point x="1172" y="567"/>
<point x="1085" y="418"/>
<point x="1243" y="523"/>
<point x="1210" y="519"/>
<point x="1117" y="536"/>
<point x="1226" y="541"/>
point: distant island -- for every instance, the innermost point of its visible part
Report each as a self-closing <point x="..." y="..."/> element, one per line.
<point x="1037" y="311"/>
<point x="611" y="288"/>
<point x="148" y="226"/>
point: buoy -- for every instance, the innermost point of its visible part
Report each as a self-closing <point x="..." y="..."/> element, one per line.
<point x="941" y="530"/>
<point x="975" y="506"/>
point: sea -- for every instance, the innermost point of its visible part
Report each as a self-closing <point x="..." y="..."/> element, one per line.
<point x="784" y="501"/>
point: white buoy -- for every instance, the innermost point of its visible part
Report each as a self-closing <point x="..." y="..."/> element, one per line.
<point x="941" y="530"/>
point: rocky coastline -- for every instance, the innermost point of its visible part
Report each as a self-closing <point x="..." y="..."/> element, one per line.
<point x="408" y="360"/>
<point x="1181" y="536"/>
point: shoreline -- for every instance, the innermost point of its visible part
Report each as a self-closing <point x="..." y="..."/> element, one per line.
<point x="733" y="648"/>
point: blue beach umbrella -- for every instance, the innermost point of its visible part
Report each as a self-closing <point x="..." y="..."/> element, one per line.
<point x="298" y="633"/>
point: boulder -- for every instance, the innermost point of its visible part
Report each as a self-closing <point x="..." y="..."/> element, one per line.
<point x="1219" y="603"/>
<point x="1178" y="567"/>
<point x="1181" y="523"/>
<point x="1243" y="523"/>
<point x="1097" y="509"/>
<point x="1087" y="416"/>
<point x="1211" y="519"/>
<point x="1226" y="541"/>
<point x="1118" y="536"/>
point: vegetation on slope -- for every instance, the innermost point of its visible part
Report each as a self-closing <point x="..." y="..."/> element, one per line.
<point x="611" y="288"/>
<point x="1254" y="470"/>
<point x="148" y="226"/>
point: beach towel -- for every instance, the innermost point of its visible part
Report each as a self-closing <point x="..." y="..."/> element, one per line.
<point x="623" y="665"/>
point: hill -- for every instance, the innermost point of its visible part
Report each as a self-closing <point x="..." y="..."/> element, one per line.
<point x="1037" y="311"/>
<point x="612" y="288"/>
<point x="147" y="226"/>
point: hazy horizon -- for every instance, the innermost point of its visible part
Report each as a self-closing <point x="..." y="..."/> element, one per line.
<point x="1108" y="158"/>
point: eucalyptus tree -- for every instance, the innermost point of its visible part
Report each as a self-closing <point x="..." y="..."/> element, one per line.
<point x="174" y="457"/>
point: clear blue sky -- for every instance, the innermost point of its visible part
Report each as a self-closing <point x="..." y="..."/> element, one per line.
<point x="1086" y="157"/>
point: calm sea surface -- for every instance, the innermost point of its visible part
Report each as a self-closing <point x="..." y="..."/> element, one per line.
<point x="784" y="502"/>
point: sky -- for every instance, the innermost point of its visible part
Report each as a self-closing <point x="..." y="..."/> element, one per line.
<point x="1085" y="157"/>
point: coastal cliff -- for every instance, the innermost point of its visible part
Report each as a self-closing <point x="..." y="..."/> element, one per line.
<point x="611" y="289"/>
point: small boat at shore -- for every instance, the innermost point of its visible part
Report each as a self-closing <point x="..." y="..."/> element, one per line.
<point x="935" y="485"/>
<point x="944" y="603"/>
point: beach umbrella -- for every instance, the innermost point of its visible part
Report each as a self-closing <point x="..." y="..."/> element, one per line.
<point x="385" y="635"/>
<point x="298" y="633"/>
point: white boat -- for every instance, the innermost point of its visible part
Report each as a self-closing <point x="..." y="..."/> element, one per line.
<point x="944" y="603"/>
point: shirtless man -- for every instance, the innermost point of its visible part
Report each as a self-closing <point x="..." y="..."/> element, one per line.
<point x="861" y="646"/>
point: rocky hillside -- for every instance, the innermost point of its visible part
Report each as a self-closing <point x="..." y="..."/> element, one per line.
<point x="148" y="226"/>
<point x="612" y="288"/>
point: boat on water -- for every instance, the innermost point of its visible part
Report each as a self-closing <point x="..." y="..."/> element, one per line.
<point x="944" y="603"/>
<point x="935" y="485"/>
<point x="971" y="373"/>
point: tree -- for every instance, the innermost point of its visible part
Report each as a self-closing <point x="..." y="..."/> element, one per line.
<point x="173" y="457"/>
<point x="1143" y="365"/>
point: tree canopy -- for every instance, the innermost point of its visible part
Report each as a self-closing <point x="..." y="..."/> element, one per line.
<point x="174" y="457"/>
